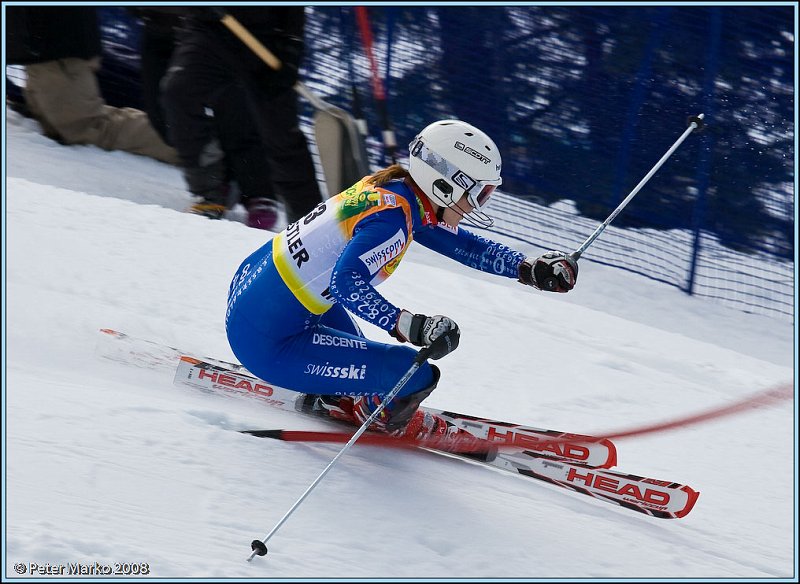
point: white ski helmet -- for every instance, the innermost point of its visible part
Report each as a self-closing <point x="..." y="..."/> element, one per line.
<point x="450" y="159"/>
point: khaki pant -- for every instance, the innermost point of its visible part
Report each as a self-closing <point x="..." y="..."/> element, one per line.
<point x="65" y="97"/>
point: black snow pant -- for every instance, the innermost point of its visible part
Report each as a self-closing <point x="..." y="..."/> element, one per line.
<point x="227" y="124"/>
<point x="156" y="51"/>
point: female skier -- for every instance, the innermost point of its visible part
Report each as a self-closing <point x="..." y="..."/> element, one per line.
<point x="290" y="303"/>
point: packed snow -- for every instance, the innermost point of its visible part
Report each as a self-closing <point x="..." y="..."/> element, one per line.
<point x="109" y="464"/>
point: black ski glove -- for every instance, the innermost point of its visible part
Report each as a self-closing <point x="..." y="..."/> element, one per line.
<point x="422" y="331"/>
<point x="554" y="271"/>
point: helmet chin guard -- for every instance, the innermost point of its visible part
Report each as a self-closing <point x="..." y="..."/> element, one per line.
<point x="457" y="166"/>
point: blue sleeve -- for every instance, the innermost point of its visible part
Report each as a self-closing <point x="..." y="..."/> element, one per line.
<point x="351" y="277"/>
<point x="472" y="250"/>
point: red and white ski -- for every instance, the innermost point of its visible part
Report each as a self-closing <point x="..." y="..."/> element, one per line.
<point x="656" y="498"/>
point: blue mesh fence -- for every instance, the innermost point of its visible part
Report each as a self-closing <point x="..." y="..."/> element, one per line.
<point x="582" y="101"/>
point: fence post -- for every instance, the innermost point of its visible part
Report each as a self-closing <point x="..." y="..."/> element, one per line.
<point x="644" y="79"/>
<point x="706" y="144"/>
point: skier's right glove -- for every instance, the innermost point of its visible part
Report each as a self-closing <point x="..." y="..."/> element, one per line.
<point x="421" y="330"/>
<point x="554" y="271"/>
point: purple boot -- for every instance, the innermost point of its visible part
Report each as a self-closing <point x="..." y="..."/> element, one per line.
<point x="262" y="213"/>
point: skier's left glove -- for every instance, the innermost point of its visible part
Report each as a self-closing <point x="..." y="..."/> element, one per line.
<point x="422" y="331"/>
<point x="554" y="271"/>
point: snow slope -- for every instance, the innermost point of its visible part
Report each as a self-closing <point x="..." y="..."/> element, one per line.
<point x="110" y="463"/>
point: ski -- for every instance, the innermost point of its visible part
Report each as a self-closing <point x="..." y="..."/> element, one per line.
<point x="577" y="448"/>
<point x="463" y="445"/>
<point x="132" y="350"/>
<point x="652" y="497"/>
<point x="656" y="498"/>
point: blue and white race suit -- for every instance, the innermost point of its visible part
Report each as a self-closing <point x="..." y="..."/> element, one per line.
<point x="291" y="302"/>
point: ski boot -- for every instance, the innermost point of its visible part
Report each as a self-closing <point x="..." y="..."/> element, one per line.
<point x="403" y="418"/>
<point x="393" y="419"/>
<point x="400" y="418"/>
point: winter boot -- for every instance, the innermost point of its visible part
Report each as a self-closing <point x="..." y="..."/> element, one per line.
<point x="208" y="209"/>
<point x="262" y="213"/>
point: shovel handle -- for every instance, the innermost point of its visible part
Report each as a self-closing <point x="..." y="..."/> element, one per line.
<point x="247" y="38"/>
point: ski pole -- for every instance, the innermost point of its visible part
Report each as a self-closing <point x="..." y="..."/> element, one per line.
<point x="434" y="351"/>
<point x="695" y="122"/>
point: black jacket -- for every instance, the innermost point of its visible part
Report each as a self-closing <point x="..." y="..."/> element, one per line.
<point x="159" y="21"/>
<point x="279" y="28"/>
<point x="265" y="22"/>
<point x="35" y="34"/>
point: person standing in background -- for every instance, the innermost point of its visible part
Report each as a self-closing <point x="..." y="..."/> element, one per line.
<point x="60" y="49"/>
<point x="232" y="118"/>
<point x="159" y="25"/>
